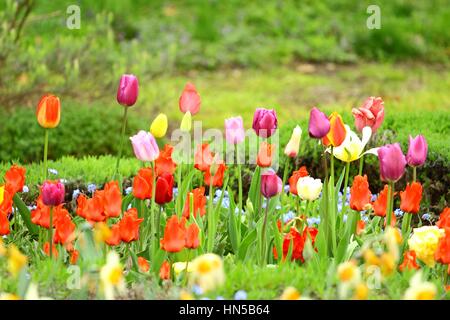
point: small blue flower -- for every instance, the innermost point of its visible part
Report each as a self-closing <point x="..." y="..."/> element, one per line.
<point x="313" y="221"/>
<point x="75" y="194"/>
<point x="278" y="207"/>
<point x="53" y="171"/>
<point x="398" y="213"/>
<point x="426" y="216"/>
<point x="128" y="190"/>
<point x="91" y="188"/>
<point x="197" y="290"/>
<point x="34" y="207"/>
<point x="344" y="218"/>
<point x="286" y="188"/>
<point x="25" y="189"/>
<point x="129" y="206"/>
<point x="220" y="298"/>
<point x="240" y="295"/>
<point x="365" y="219"/>
<point x="205" y="298"/>
<point x="63" y="181"/>
<point x="175" y="191"/>
<point x="374" y="197"/>
<point x="288" y="216"/>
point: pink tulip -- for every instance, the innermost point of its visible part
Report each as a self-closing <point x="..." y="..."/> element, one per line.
<point x="271" y="184"/>
<point x="319" y="124"/>
<point x="128" y="90"/>
<point x="144" y="146"/>
<point x="392" y="162"/>
<point x="417" y="151"/>
<point x="370" y="114"/>
<point x="52" y="193"/>
<point x="190" y="99"/>
<point x="265" y="122"/>
<point x="234" y="130"/>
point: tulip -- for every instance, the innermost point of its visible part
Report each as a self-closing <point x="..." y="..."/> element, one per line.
<point x="48" y="111"/>
<point x="144" y="146"/>
<point x="319" y="124"/>
<point x="291" y="149"/>
<point x="164" y="188"/>
<point x="296" y="175"/>
<point x="158" y="128"/>
<point x="392" y="162"/>
<point x="174" y="239"/>
<point x="186" y="122"/>
<point x="265" y="122"/>
<point x="370" y="114"/>
<point x="360" y="194"/>
<point x="214" y="174"/>
<point x="309" y="188"/>
<point x="164" y="162"/>
<point x="234" y="130"/>
<point x="190" y="100"/>
<point x="265" y="155"/>
<point x="192" y="240"/>
<point x="411" y="197"/>
<point x="417" y="151"/>
<point x="15" y="178"/>
<point x="52" y="193"/>
<point x="336" y="136"/>
<point x="271" y="184"/>
<point x="127" y="92"/>
<point x="129" y="226"/>
<point x="352" y="148"/>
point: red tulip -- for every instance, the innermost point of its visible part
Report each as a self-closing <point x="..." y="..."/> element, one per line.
<point x="190" y="99"/>
<point x="48" y="111"/>
<point x="164" y="188"/>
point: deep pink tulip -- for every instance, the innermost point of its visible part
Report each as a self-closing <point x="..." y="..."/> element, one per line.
<point x="370" y="114"/>
<point x="417" y="151"/>
<point x="265" y="122"/>
<point x="319" y="124"/>
<point x="234" y="130"/>
<point x="128" y="90"/>
<point x="392" y="162"/>
<point x="189" y="99"/>
<point x="144" y="146"/>
<point x="52" y="193"/>
<point x="271" y="184"/>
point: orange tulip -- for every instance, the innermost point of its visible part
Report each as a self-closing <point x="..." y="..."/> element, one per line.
<point x="114" y="239"/>
<point x="112" y="199"/>
<point x="409" y="261"/>
<point x="360" y="194"/>
<point x="48" y="112"/>
<point x="442" y="254"/>
<point x="174" y="235"/>
<point x="4" y="224"/>
<point x="94" y="210"/>
<point x="411" y="197"/>
<point x="300" y="173"/>
<point x="164" y="272"/>
<point x="142" y="184"/>
<point x="144" y="265"/>
<point x="199" y="203"/>
<point x="6" y="204"/>
<point x="192" y="240"/>
<point x="164" y="162"/>
<point x="41" y="215"/>
<point x="64" y="228"/>
<point x="15" y="177"/>
<point x="337" y="132"/>
<point x="129" y="226"/>
<point x="379" y="206"/>
<point x="217" y="179"/>
<point x="203" y="158"/>
<point x="47" y="250"/>
<point x="74" y="255"/>
<point x="264" y="158"/>
<point x="444" y="219"/>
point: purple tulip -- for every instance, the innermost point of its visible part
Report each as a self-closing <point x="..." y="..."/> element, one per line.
<point x="392" y="162"/>
<point x="144" y="146"/>
<point x="271" y="184"/>
<point x="265" y="122"/>
<point x="234" y="130"/>
<point x="52" y="193"/>
<point x="128" y="90"/>
<point x="417" y="151"/>
<point x="319" y="124"/>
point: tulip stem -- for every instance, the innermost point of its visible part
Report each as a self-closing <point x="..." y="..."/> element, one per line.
<point x="210" y="242"/>
<point x="263" y="235"/>
<point x="124" y="125"/>
<point x="390" y="203"/>
<point x="414" y="174"/>
<point x="332" y="167"/>
<point x="361" y="164"/>
<point x="158" y="221"/>
<point x="344" y="193"/>
<point x="45" y="154"/>
<point x="406" y="225"/>
<point x="154" y="227"/>
<point x="239" y="180"/>
<point x="50" y="232"/>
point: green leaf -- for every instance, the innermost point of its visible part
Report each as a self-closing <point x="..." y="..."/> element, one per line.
<point x="246" y="242"/>
<point x="25" y="213"/>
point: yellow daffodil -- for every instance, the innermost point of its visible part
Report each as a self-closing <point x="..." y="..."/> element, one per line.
<point x="419" y="289"/>
<point x="207" y="272"/>
<point x="348" y="272"/>
<point x="16" y="260"/>
<point x="361" y="291"/>
<point x="111" y="276"/>
<point x="353" y="148"/>
<point x="186" y="122"/>
<point x="424" y="242"/>
<point x="158" y="128"/>
<point x="290" y="293"/>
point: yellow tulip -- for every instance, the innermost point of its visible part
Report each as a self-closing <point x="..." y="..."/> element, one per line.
<point x="424" y="242"/>
<point x="158" y="128"/>
<point x="186" y="122"/>
<point x="419" y="289"/>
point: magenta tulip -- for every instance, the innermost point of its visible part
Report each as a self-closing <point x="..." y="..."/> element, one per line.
<point x="144" y="146"/>
<point x="370" y="114"/>
<point x="319" y="124"/>
<point x="189" y="99"/>
<point x="234" y="130"/>
<point x="52" y="193"/>
<point x="392" y="162"/>
<point x="271" y="184"/>
<point x="417" y="151"/>
<point x="265" y="122"/>
<point x="128" y="90"/>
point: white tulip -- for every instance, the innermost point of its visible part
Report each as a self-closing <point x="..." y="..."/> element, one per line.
<point x="309" y="188"/>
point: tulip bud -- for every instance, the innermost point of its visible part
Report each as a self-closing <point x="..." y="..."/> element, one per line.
<point x="190" y="100"/>
<point x="265" y="122"/>
<point x="127" y="92"/>
<point x="417" y="151"/>
<point x="271" y="184"/>
<point x="319" y="125"/>
<point x="144" y="146"/>
<point x="291" y="149"/>
<point x="234" y="130"/>
<point x="309" y="188"/>
<point x="186" y="122"/>
<point x="53" y="193"/>
<point x="392" y="162"/>
<point x="158" y="128"/>
<point x="48" y="111"/>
